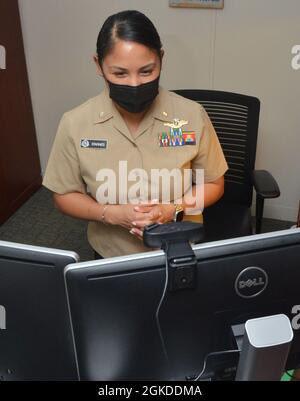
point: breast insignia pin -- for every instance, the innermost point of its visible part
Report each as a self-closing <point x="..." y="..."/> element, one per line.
<point x="176" y="138"/>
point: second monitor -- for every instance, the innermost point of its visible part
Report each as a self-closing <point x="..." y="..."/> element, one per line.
<point x="35" y="336"/>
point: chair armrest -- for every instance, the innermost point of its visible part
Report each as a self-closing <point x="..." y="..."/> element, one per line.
<point x="265" y="184"/>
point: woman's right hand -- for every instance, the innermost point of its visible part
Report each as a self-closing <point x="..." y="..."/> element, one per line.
<point x="122" y="215"/>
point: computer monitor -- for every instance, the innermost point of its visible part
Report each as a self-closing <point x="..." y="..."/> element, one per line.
<point x="128" y="326"/>
<point x="35" y="332"/>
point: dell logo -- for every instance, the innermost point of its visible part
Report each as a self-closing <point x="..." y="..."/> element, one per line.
<point x="2" y="318"/>
<point x="251" y="282"/>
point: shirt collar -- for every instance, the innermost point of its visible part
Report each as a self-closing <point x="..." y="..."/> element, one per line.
<point x="163" y="107"/>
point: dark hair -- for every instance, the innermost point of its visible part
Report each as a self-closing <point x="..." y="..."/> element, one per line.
<point x="130" y="26"/>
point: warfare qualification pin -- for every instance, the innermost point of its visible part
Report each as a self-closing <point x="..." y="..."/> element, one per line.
<point x="175" y="136"/>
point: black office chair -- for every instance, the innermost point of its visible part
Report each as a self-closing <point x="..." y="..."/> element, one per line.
<point x="235" y="118"/>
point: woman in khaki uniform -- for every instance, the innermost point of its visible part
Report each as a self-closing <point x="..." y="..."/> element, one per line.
<point x="133" y="127"/>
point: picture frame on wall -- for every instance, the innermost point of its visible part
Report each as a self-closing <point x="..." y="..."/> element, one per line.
<point x="218" y="4"/>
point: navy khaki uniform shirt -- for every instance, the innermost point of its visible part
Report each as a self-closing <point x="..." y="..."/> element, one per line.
<point x="94" y="136"/>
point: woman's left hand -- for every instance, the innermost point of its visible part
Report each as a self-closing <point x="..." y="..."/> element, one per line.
<point x="153" y="213"/>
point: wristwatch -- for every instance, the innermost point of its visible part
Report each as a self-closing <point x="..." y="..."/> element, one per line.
<point x="179" y="213"/>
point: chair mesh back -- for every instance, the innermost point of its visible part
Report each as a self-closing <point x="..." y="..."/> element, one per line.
<point x="235" y="118"/>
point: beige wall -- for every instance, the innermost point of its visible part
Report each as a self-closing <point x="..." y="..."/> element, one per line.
<point x="244" y="48"/>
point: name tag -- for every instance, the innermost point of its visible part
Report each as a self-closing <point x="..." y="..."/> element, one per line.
<point x="94" y="143"/>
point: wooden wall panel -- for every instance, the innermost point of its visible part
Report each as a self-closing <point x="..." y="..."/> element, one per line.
<point x="20" y="171"/>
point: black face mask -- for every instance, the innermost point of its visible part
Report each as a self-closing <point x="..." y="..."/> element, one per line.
<point x="134" y="99"/>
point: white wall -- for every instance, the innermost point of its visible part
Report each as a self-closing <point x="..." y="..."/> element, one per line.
<point x="244" y="48"/>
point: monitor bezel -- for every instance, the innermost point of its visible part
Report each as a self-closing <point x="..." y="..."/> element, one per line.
<point x="40" y="249"/>
<point x="118" y="265"/>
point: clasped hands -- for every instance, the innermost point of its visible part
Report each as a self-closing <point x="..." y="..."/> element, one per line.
<point x="149" y="213"/>
<point x="136" y="217"/>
